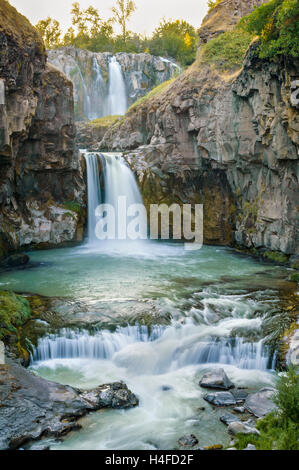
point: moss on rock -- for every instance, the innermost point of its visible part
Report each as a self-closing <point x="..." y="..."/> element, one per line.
<point x="276" y="256"/>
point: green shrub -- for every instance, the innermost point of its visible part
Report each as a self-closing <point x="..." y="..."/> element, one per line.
<point x="14" y="312"/>
<point x="277" y="25"/>
<point x="280" y="429"/>
<point x="227" y="50"/>
<point x="72" y="206"/>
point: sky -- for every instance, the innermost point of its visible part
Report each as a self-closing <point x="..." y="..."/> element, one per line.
<point x="144" y="20"/>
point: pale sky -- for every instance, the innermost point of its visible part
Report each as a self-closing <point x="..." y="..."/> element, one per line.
<point x="144" y="20"/>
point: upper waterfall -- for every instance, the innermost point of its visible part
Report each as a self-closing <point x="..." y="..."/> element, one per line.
<point x="108" y="84"/>
<point x="117" y="95"/>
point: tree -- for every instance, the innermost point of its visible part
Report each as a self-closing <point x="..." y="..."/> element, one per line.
<point x="122" y="13"/>
<point x="50" y="31"/>
<point x="93" y="32"/>
<point x="176" y="39"/>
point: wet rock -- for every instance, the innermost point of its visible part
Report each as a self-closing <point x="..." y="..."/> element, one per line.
<point x="240" y="395"/>
<point x="165" y="388"/>
<point x="239" y="409"/>
<point x="217" y="378"/>
<point x="32" y="407"/>
<point x="228" y="418"/>
<point x="116" y="395"/>
<point x="237" y="427"/>
<point x="189" y="440"/>
<point x="17" y="259"/>
<point x="250" y="447"/>
<point x="39" y="446"/>
<point x="220" y="398"/>
<point x="261" y="403"/>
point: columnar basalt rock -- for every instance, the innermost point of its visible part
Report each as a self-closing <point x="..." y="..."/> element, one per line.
<point x="230" y="142"/>
<point x="39" y="172"/>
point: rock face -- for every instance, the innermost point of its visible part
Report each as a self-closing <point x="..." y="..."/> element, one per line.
<point x="228" y="142"/>
<point x="224" y="16"/>
<point x="89" y="72"/>
<point x="32" y="407"/>
<point x="39" y="171"/>
<point x="216" y="379"/>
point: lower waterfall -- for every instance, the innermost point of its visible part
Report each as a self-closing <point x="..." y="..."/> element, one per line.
<point x="119" y="187"/>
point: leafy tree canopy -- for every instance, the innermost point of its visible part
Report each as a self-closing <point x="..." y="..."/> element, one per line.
<point x="176" y="39"/>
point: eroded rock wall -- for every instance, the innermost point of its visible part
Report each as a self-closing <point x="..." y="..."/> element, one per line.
<point x="39" y="172"/>
<point x="230" y="142"/>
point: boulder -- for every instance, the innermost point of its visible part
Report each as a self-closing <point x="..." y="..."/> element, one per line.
<point x="261" y="403"/>
<point x="32" y="407"/>
<point x="216" y="378"/>
<point x="228" y="418"/>
<point x="250" y="447"/>
<point x="237" y="427"/>
<point x="240" y="395"/>
<point x="189" y="440"/>
<point x="239" y="409"/>
<point x="17" y="259"/>
<point x="220" y="398"/>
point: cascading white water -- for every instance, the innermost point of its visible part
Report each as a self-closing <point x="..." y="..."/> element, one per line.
<point x="93" y="193"/>
<point x="119" y="182"/>
<point x="117" y="96"/>
<point x="155" y="351"/>
<point x="98" y="93"/>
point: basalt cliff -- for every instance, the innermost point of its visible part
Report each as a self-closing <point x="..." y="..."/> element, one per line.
<point x="227" y="139"/>
<point x="41" y="187"/>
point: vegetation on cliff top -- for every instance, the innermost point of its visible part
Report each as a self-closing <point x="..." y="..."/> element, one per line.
<point x="173" y="38"/>
<point x="227" y="50"/>
<point x="277" y="25"/>
<point x="280" y="429"/>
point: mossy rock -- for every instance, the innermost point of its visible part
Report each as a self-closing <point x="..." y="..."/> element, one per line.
<point x="14" y="312"/>
<point x="294" y="277"/>
<point x="276" y="256"/>
<point x="72" y="206"/>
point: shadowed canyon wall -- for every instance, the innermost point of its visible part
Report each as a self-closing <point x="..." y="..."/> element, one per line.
<point x="40" y="180"/>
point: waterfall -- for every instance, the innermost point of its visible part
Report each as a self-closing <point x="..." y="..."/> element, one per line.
<point x="98" y="94"/>
<point x="119" y="186"/>
<point x="160" y="349"/>
<point x="93" y="193"/>
<point x="117" y="96"/>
